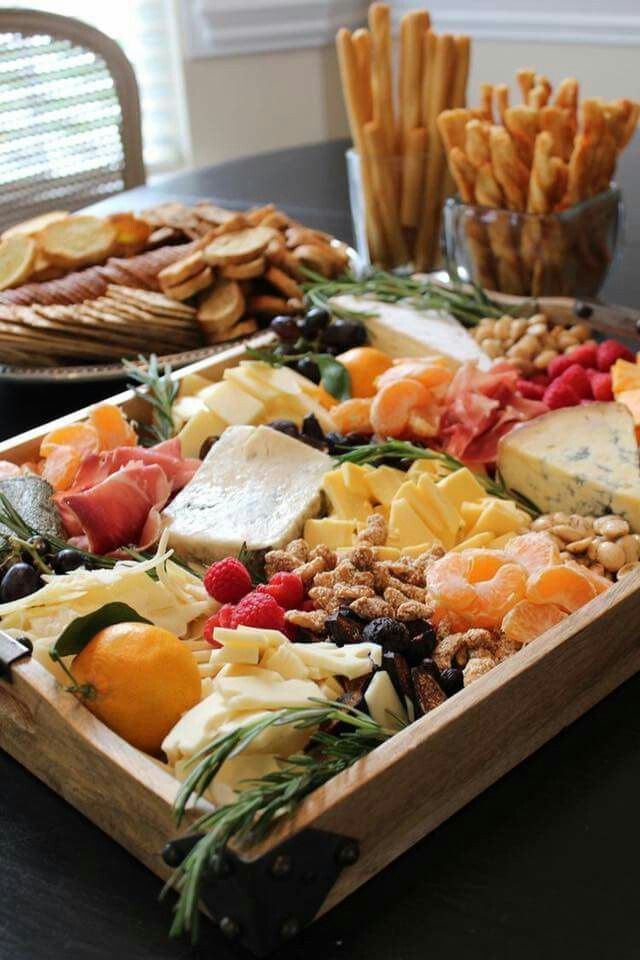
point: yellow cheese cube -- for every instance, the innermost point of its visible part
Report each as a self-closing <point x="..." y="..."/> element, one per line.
<point x="461" y="485"/>
<point x="284" y="406"/>
<point x="345" y="504"/>
<point x="406" y="527"/>
<point x="330" y="531"/>
<point x="184" y="408"/>
<point x="480" y="540"/>
<point x="418" y="467"/>
<point x="231" y="403"/>
<point x="500" y="542"/>
<point x="384" y="483"/>
<point x="387" y="553"/>
<point x="355" y="479"/>
<point x="280" y="379"/>
<point x="418" y="549"/>
<point x="433" y="508"/>
<point x="199" y="428"/>
<point x="191" y="384"/>
<point x="244" y="378"/>
<point x="497" y="517"/>
<point x="470" y="512"/>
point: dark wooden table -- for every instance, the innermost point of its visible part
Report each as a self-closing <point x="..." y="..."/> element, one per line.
<point x="544" y="863"/>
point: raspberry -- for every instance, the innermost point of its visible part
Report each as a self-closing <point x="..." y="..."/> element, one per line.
<point x="577" y="378"/>
<point x="559" y="364"/>
<point x="225" y="615"/>
<point x="586" y="354"/>
<point x="227" y="581"/>
<point x="209" y="627"/>
<point x="601" y="386"/>
<point x="541" y="378"/>
<point x="559" y="394"/>
<point x="611" y="350"/>
<point x="259" y="610"/>
<point x="530" y="390"/>
<point x="287" y="589"/>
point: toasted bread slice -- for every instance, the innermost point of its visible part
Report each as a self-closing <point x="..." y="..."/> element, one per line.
<point x="132" y="234"/>
<point x="239" y="247"/>
<point x="76" y="241"/>
<point x="221" y="307"/>
<point x="190" y="286"/>
<point x="182" y="270"/>
<point x="283" y="282"/>
<point x="244" y="271"/>
<point x="36" y="224"/>
<point x="17" y="256"/>
<point x="240" y="329"/>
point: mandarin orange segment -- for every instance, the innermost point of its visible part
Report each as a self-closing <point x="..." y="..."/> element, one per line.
<point x="563" y="584"/>
<point x="364" y="364"/>
<point x="324" y="397"/>
<point x="499" y="594"/>
<point x="527" y="620"/>
<point x="353" y="416"/>
<point x="533" y="551"/>
<point x="112" y="427"/>
<point x="480" y="586"/>
<point x="82" y="437"/>
<point x="428" y="374"/>
<point x="61" y="466"/>
<point x="392" y="406"/>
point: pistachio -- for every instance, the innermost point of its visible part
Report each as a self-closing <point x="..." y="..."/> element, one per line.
<point x="538" y="329"/>
<point x="580" y="331"/>
<point x="519" y="327"/>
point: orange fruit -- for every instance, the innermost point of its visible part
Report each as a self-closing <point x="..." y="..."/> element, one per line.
<point x="61" y="466"/>
<point x="144" y="678"/>
<point x="325" y="398"/>
<point x="353" y="416"/>
<point x="112" y="427"/>
<point x="481" y="586"/>
<point x="533" y="551"/>
<point x="562" y="584"/>
<point x="428" y="374"/>
<point x="82" y="437"/>
<point x="527" y="620"/>
<point x="364" y="364"/>
<point x="393" y="405"/>
<point x="624" y="376"/>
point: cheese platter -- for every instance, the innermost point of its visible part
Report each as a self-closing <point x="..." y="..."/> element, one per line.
<point x="346" y="560"/>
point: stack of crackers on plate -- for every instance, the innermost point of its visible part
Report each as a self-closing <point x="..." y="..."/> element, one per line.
<point x="248" y="268"/>
<point x="543" y="156"/>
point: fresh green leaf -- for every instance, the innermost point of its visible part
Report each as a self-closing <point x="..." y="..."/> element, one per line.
<point x="335" y="376"/>
<point x="80" y="631"/>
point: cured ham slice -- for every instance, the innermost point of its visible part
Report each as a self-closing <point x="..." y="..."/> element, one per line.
<point x="166" y="455"/>
<point x="122" y="509"/>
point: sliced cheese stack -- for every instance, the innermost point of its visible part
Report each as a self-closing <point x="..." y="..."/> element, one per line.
<point x="422" y="509"/>
<point x="255" y="671"/>
<point x="251" y="393"/>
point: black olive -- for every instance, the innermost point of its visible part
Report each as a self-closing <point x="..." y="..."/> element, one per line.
<point x="39" y="544"/>
<point x="356" y="439"/>
<point x="20" y="580"/>
<point x="309" y="369"/>
<point x="206" y="446"/>
<point x="67" y="560"/>
<point x="285" y="426"/>
<point x="344" y="334"/>
<point x="451" y="680"/>
<point x="311" y="428"/>
<point x="315" y="320"/>
<point x="285" y="328"/>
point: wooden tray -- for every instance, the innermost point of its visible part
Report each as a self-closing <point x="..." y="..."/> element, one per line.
<point x="368" y="815"/>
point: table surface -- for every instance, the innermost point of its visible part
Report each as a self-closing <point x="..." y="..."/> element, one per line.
<point x="544" y="862"/>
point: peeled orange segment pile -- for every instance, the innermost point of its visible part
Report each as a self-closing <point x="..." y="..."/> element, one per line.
<point x="81" y="437"/>
<point x="534" y="551"/>
<point x="112" y="427"/>
<point x="365" y="365"/>
<point x="392" y="406"/>
<point x="428" y="374"/>
<point x="353" y="416"/>
<point x="567" y="586"/>
<point x="527" y="620"/>
<point x="480" y="586"/>
<point x="60" y="467"/>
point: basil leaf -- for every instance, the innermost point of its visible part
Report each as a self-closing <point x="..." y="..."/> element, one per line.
<point x="335" y="376"/>
<point x="80" y="631"/>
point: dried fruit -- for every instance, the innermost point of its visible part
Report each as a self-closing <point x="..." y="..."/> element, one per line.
<point x="428" y="693"/>
<point x="343" y="627"/>
<point x="392" y="635"/>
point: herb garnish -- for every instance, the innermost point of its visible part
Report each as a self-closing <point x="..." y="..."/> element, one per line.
<point x="158" y="389"/>
<point x="334" y="375"/>
<point x="266" y="800"/>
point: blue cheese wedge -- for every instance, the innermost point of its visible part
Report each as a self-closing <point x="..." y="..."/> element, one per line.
<point x="402" y="331"/>
<point x="256" y="486"/>
<point x="576" y="460"/>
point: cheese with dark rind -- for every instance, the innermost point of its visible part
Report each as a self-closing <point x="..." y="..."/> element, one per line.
<point x="580" y="460"/>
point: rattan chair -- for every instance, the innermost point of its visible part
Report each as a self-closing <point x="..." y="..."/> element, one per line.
<point x="70" y="131"/>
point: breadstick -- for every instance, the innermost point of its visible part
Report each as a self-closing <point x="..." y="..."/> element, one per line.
<point x="488" y="191"/>
<point x="356" y="105"/>
<point x="502" y="100"/>
<point x="452" y="125"/>
<point x="464" y="173"/>
<point x="545" y="84"/>
<point x="428" y="234"/>
<point x="415" y="151"/>
<point x="522" y="124"/>
<point x="538" y="97"/>
<point x="362" y="44"/>
<point x="567" y="99"/>
<point x="381" y="82"/>
<point x="580" y="164"/>
<point x="383" y="184"/>
<point x="486" y="101"/>
<point x="477" y="142"/>
<point x="412" y="30"/>
<point x="526" y="81"/>
<point x="622" y="117"/>
<point x="543" y="176"/>
<point x="458" y="99"/>
<point x="510" y="172"/>
<point x="556" y="121"/>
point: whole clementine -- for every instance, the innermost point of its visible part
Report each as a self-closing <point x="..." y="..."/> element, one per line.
<point x="364" y="365"/>
<point x="142" y="680"/>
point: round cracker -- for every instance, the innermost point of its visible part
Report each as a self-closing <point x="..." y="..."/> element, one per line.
<point x="239" y="247"/>
<point x="17" y="256"/>
<point x="79" y="240"/>
<point x="244" y="271"/>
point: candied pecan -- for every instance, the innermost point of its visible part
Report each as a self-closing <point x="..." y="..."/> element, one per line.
<point x="345" y="592"/>
<point x="477" y="667"/>
<point x="299" y="549"/>
<point x="362" y="557"/>
<point x="444" y="628"/>
<point x="375" y="530"/>
<point x="277" y="561"/>
<point x="345" y="572"/>
<point x="477" y="638"/>
<point x="327" y="578"/>
<point x="413" y="593"/>
<point x="309" y="570"/>
<point x="451" y="650"/>
<point x="426" y="560"/>
<point x="413" y="610"/>
<point x="405" y="571"/>
<point x="312" y="620"/>
<point x="328" y="555"/>
<point x="394" y="597"/>
<point x="370" y="608"/>
<point x="324" y="598"/>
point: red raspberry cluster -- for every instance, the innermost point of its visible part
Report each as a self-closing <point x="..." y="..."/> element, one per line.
<point x="577" y="377"/>
<point x="228" y="581"/>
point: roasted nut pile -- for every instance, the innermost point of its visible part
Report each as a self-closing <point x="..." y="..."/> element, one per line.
<point x="604" y="544"/>
<point x="531" y="343"/>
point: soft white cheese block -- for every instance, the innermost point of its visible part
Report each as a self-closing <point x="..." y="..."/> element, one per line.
<point x="402" y="331"/>
<point x="576" y="460"/>
<point x="256" y="486"/>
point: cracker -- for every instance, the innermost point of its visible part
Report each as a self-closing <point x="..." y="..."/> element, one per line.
<point x="221" y="307"/>
<point x="283" y="282"/>
<point x="239" y="247"/>
<point x="182" y="291"/>
<point x="244" y="271"/>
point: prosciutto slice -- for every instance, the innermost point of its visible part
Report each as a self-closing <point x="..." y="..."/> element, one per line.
<point x="124" y="508"/>
<point x="98" y="466"/>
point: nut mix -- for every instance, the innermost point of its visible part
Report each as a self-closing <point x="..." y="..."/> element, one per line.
<point x="604" y="544"/>
<point x="530" y="344"/>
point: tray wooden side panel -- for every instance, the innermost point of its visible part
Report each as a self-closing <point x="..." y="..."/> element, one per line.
<point x="427" y="772"/>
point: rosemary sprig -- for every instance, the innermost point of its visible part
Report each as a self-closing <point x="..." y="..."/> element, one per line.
<point x="402" y="449"/>
<point x="264" y="801"/>
<point x="159" y="390"/>
<point x="468" y="305"/>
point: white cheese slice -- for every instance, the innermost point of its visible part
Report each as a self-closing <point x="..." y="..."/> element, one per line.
<point x="383" y="702"/>
<point x="402" y="331"/>
<point x="256" y="486"/>
<point x="576" y="460"/>
<point x="327" y="660"/>
<point x="256" y="693"/>
<point x="196" y="728"/>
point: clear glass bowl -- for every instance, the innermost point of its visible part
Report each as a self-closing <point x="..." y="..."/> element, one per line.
<point x="560" y="254"/>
